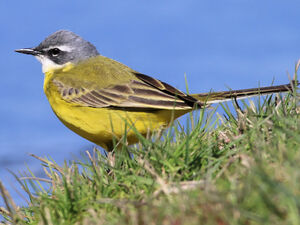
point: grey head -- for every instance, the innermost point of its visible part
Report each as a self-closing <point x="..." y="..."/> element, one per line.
<point x="60" y="48"/>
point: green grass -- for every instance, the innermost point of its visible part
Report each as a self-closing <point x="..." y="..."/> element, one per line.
<point x="239" y="168"/>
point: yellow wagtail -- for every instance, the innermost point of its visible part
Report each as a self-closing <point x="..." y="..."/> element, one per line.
<point x="97" y="97"/>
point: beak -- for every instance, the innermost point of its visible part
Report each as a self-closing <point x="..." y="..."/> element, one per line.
<point x="28" y="51"/>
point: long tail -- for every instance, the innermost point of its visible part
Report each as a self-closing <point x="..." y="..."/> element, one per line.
<point x="215" y="97"/>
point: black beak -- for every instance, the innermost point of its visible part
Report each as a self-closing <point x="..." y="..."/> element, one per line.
<point x="28" y="51"/>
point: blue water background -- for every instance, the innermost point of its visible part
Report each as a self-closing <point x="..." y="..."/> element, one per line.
<point x="217" y="44"/>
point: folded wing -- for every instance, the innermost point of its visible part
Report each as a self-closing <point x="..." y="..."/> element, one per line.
<point x="142" y="93"/>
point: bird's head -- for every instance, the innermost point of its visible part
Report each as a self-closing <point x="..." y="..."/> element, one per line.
<point x="60" y="48"/>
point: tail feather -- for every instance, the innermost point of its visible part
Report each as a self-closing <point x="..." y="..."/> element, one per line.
<point x="215" y="97"/>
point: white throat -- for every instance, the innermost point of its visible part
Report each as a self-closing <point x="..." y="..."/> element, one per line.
<point x="47" y="64"/>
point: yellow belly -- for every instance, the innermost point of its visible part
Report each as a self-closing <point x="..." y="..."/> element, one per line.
<point x="102" y="125"/>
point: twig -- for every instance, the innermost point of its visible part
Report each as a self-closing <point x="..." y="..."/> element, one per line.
<point x="176" y="188"/>
<point x="36" y="178"/>
<point x="120" y="202"/>
<point x="4" y="211"/>
<point x="12" y="209"/>
<point x="58" y="168"/>
<point x="164" y="186"/>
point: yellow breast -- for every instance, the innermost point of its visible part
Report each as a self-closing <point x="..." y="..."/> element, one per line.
<point x="102" y="125"/>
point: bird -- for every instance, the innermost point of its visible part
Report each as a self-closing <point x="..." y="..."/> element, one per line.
<point x="106" y="101"/>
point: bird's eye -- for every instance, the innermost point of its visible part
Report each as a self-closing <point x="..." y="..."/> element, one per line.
<point x="54" y="51"/>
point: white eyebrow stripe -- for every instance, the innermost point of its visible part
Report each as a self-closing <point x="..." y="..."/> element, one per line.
<point x="64" y="48"/>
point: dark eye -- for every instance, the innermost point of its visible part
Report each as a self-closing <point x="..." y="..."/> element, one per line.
<point x="54" y="51"/>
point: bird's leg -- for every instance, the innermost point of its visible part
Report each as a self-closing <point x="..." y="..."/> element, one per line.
<point x="111" y="158"/>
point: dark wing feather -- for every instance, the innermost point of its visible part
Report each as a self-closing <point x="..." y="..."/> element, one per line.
<point x="166" y="88"/>
<point x="145" y="93"/>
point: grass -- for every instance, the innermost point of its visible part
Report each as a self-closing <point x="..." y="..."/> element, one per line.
<point x="239" y="168"/>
